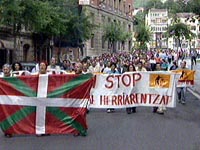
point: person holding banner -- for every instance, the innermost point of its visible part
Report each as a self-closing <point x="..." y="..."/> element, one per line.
<point x="159" y="80"/>
<point x="182" y="90"/>
<point x="7" y="73"/>
<point x="43" y="68"/>
<point x="113" y="70"/>
<point x="131" y="68"/>
<point x="17" y="66"/>
<point x="140" y="67"/>
<point x="53" y="67"/>
<point x="6" y="70"/>
<point x="78" y="68"/>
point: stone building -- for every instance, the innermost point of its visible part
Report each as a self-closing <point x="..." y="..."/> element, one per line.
<point x="158" y="21"/>
<point x="15" y="49"/>
<point x="103" y="12"/>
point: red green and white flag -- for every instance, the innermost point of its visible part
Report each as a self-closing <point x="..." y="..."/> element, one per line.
<point x="44" y="104"/>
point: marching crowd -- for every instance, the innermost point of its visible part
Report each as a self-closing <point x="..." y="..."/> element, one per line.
<point x="115" y="63"/>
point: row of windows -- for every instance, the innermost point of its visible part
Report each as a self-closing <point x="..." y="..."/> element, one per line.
<point x="121" y="23"/>
<point x="158" y="29"/>
<point x="119" y="4"/>
<point x="158" y="20"/>
<point x="121" y="45"/>
<point x="158" y="14"/>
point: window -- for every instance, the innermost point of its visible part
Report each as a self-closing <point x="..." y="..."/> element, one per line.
<point x="119" y="46"/>
<point x="129" y="45"/>
<point x="109" y="20"/>
<point x="193" y="28"/>
<point x="129" y="28"/>
<point x="103" y="42"/>
<point x="124" y="8"/>
<point x="92" y="18"/>
<point x="92" y="41"/>
<point x="115" y="4"/>
<point x="129" y="8"/>
<point x="109" y="44"/>
<point x="103" y="18"/>
<point x="120" y="5"/>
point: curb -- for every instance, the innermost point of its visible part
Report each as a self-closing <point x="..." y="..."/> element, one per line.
<point x="196" y="94"/>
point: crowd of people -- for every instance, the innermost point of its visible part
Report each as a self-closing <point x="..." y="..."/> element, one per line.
<point x="115" y="63"/>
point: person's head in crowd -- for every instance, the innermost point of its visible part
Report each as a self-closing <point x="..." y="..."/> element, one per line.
<point x="147" y="65"/>
<point x="108" y="64"/>
<point x="66" y="62"/>
<point x="140" y="64"/>
<point x="78" y="68"/>
<point x="85" y="67"/>
<point x="53" y="61"/>
<point x="174" y="63"/>
<point x="17" y="66"/>
<point x="66" y="65"/>
<point x="131" y="68"/>
<point x="78" y="60"/>
<point x="43" y="68"/>
<point x="183" y="64"/>
<point x="158" y="67"/>
<point x="113" y="66"/>
<point x="6" y="70"/>
<point x="93" y="63"/>
<point x="101" y="63"/>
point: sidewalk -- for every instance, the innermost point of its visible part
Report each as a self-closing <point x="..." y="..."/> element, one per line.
<point x="196" y="89"/>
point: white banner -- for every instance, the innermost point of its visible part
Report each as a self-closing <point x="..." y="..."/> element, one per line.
<point x="134" y="89"/>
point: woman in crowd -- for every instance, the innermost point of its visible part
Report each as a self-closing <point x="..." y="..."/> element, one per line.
<point x="17" y="66"/>
<point x="7" y="73"/>
<point x="112" y="70"/>
<point x="131" y="68"/>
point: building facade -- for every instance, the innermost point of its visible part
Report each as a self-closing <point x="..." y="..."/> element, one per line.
<point x="103" y="12"/>
<point x="158" y="21"/>
<point x="192" y="21"/>
<point x="13" y="49"/>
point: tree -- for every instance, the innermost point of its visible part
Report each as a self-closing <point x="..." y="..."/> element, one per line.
<point x="142" y="32"/>
<point x="57" y="19"/>
<point x="179" y="31"/>
<point x="10" y="17"/>
<point x="194" y="6"/>
<point x="154" y="4"/>
<point x="142" y="36"/>
<point x="114" y="32"/>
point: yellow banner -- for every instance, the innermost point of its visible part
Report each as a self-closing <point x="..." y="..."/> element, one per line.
<point x="159" y="80"/>
<point x="186" y="76"/>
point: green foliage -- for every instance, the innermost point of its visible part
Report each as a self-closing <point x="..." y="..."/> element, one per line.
<point x="79" y="28"/>
<point x="143" y="35"/>
<point x="179" y="30"/>
<point x="172" y="5"/>
<point x="63" y="19"/>
<point x="154" y="4"/>
<point x="10" y="14"/>
<point x="114" y="32"/>
<point x="194" y="6"/>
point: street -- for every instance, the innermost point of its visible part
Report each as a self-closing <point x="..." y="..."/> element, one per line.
<point x="178" y="129"/>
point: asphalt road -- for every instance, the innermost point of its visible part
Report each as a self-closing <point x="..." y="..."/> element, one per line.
<point x="178" y="129"/>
